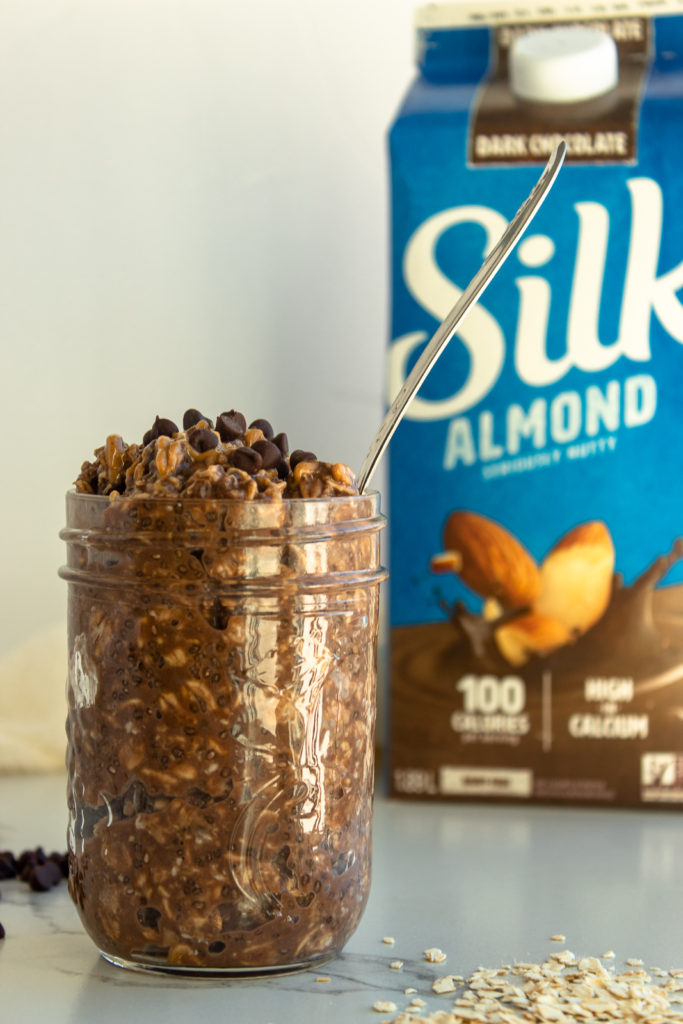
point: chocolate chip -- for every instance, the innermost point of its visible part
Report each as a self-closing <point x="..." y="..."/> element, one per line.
<point x="247" y="459"/>
<point x="264" y="426"/>
<point x="299" y="456"/>
<point x="29" y="858"/>
<point x="160" y="428"/>
<point x="216" y="947"/>
<point x="44" y="876"/>
<point x="269" y="452"/>
<point x="283" y="469"/>
<point x="8" y="865"/>
<point x="215" y="613"/>
<point x="62" y="862"/>
<point x="193" y="416"/>
<point x="2" y="931"/>
<point x="149" y="917"/>
<point x="202" y="439"/>
<point x="231" y="425"/>
<point x="281" y="441"/>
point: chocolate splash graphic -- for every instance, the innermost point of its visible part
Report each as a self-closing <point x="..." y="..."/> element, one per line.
<point x="638" y="635"/>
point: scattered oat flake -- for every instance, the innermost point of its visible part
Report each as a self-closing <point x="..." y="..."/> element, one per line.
<point x="558" y="938"/>
<point x="384" y="1006"/>
<point x="434" y="955"/>
<point x="565" y="956"/>
<point x="409" y="991"/>
<point x="396" y="965"/>
<point x="634" y="961"/>
<point x="609" y="955"/>
<point x="323" y="978"/>
<point x="388" y="940"/>
<point x="582" y="991"/>
<point x="446" y="984"/>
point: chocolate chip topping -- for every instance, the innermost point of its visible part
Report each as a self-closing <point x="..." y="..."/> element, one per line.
<point x="160" y="428"/>
<point x="202" y="439"/>
<point x="231" y="425"/>
<point x="269" y="452"/>
<point x="264" y="426"/>
<point x="247" y="459"/>
<point x="199" y="462"/>
<point x="193" y="416"/>
<point x="300" y="456"/>
<point x="281" y="441"/>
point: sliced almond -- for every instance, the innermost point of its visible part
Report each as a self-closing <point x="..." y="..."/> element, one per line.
<point x="576" y="577"/>
<point x="529" y="635"/>
<point x="446" y="561"/>
<point x="491" y="610"/>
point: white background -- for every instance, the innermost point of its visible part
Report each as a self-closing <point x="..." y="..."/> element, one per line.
<point x="193" y="212"/>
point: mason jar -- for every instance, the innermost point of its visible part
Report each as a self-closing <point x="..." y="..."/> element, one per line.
<point x="221" y="692"/>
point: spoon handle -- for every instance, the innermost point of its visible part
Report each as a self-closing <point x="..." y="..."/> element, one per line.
<point x="489" y="268"/>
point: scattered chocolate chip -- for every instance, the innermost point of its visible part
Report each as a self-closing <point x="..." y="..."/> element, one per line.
<point x="149" y="917"/>
<point x="35" y="868"/>
<point x="231" y="425"/>
<point x="299" y="456"/>
<point x="160" y="428"/>
<point x="44" y="876"/>
<point x="8" y="865"/>
<point x="283" y="469"/>
<point x="62" y="862"/>
<point x="202" y="439"/>
<point x="2" y="931"/>
<point x="269" y="452"/>
<point x="281" y="441"/>
<point x="192" y="416"/>
<point x="264" y="426"/>
<point x="247" y="459"/>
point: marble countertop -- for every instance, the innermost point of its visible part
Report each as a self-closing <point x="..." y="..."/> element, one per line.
<point x="487" y="884"/>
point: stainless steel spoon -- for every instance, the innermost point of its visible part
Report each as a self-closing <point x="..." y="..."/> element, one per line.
<point x="443" y="334"/>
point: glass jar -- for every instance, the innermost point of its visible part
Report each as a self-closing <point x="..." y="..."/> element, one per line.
<point x="221" y="689"/>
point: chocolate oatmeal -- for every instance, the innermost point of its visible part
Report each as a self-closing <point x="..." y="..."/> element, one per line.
<point x="230" y="460"/>
<point x="222" y="639"/>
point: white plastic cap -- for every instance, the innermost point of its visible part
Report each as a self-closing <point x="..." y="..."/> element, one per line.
<point x="563" y="64"/>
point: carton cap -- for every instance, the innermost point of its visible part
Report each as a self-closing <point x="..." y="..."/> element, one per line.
<point x="566" y="64"/>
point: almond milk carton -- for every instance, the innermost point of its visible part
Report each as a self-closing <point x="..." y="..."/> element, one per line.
<point x="536" y="484"/>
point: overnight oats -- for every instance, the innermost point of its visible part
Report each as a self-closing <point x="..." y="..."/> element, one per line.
<point x="223" y="602"/>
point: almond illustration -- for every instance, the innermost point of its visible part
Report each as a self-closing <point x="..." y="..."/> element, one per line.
<point x="494" y="563"/>
<point x="530" y="634"/>
<point x="576" y="577"/>
<point x="491" y="610"/>
<point x="446" y="561"/>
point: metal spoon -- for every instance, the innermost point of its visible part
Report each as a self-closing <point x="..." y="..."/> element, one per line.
<point x="447" y="329"/>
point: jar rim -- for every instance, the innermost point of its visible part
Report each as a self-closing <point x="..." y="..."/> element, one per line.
<point x="164" y="499"/>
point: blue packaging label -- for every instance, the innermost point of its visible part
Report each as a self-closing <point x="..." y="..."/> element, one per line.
<point x="553" y="421"/>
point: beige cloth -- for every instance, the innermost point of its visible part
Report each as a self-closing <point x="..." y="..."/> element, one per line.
<point x="33" y="703"/>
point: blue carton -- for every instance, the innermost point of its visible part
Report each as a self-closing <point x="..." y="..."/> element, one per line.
<point x="536" y="483"/>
